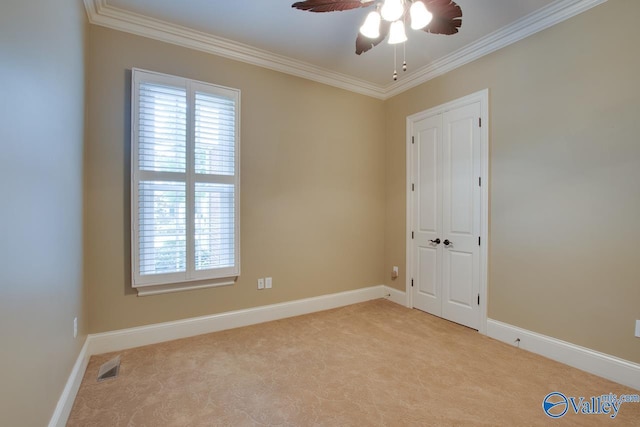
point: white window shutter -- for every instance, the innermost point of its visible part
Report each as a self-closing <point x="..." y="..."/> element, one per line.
<point x="185" y="181"/>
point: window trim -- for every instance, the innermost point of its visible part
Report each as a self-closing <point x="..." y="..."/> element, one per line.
<point x="191" y="278"/>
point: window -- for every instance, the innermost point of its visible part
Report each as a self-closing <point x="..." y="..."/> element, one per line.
<point x="184" y="183"/>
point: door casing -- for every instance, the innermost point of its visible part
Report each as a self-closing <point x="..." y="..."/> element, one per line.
<point x="482" y="97"/>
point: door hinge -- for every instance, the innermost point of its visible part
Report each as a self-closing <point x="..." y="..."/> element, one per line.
<point x="412" y="234"/>
<point x="412" y="283"/>
<point x="479" y="181"/>
<point x="413" y="139"/>
<point x="478" y="240"/>
<point x="413" y="187"/>
<point x="479" y="121"/>
<point x="478" y="299"/>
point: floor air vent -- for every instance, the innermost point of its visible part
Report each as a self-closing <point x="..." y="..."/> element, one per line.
<point x="109" y="369"/>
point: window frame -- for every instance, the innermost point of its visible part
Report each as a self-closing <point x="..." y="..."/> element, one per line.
<point x="191" y="278"/>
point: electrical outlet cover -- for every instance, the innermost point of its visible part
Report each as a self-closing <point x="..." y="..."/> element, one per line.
<point x="638" y="328"/>
<point x="268" y="283"/>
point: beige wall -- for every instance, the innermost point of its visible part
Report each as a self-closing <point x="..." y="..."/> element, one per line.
<point x="318" y="214"/>
<point x="41" y="132"/>
<point x="565" y="177"/>
<point x="312" y="185"/>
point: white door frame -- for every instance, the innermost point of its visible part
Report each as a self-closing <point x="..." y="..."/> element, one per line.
<point x="482" y="97"/>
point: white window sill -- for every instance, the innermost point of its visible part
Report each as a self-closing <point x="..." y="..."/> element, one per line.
<point x="148" y="290"/>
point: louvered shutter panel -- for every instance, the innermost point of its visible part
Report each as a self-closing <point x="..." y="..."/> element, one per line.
<point x="162" y="128"/>
<point x="162" y="133"/>
<point x="214" y="226"/>
<point x="215" y="134"/>
<point x="214" y="155"/>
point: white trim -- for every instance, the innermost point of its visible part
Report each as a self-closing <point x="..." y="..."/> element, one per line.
<point x="482" y="97"/>
<point x="543" y="18"/>
<point x="394" y="295"/>
<point x="190" y="277"/>
<point x="615" y="369"/>
<point x="100" y="13"/>
<point x="160" y="332"/>
<point x="484" y="211"/>
<point x="594" y="362"/>
<point x="68" y="396"/>
<point x="148" y="290"/>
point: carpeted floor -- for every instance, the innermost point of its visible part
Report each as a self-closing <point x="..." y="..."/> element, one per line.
<point x="369" y="364"/>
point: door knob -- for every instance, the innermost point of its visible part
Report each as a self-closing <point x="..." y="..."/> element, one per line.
<point x="437" y="241"/>
<point x="447" y="242"/>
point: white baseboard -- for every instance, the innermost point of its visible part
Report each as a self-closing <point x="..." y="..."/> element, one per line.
<point x="618" y="370"/>
<point x="606" y="366"/>
<point x="399" y="297"/>
<point x="65" y="403"/>
<point x="152" y="334"/>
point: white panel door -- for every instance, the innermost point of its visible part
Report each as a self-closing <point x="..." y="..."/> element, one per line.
<point x="461" y="215"/>
<point x="446" y="215"/>
<point x="427" y="158"/>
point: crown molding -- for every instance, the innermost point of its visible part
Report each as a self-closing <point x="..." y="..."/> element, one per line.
<point x="100" y="13"/>
<point x="546" y="17"/>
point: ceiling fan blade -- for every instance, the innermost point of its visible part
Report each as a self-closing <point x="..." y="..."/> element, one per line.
<point x="330" y="5"/>
<point x="364" y="44"/>
<point x="447" y="17"/>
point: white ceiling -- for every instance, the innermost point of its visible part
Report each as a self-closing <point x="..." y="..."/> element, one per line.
<point x="324" y="43"/>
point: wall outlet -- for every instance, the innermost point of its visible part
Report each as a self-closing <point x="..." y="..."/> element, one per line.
<point x="261" y="283"/>
<point x="394" y="272"/>
<point x="638" y="328"/>
<point x="75" y="327"/>
<point x="268" y="283"/>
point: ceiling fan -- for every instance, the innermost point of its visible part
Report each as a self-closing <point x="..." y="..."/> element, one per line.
<point x="390" y="16"/>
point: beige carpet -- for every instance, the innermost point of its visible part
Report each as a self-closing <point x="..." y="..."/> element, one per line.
<point x="370" y="364"/>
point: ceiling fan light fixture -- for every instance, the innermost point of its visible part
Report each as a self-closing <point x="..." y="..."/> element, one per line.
<point x="432" y="16"/>
<point x="396" y="33"/>
<point x="371" y="26"/>
<point x="392" y="10"/>
<point x="420" y="16"/>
